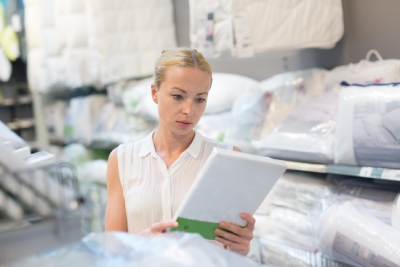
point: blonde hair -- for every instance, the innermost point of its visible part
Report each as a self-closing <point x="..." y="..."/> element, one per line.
<point x="180" y="57"/>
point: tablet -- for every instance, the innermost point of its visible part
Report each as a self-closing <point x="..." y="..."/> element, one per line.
<point x="229" y="183"/>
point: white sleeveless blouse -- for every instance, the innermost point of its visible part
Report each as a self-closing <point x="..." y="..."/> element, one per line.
<point x="152" y="192"/>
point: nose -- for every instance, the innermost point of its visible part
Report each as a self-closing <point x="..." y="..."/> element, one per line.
<point x="188" y="108"/>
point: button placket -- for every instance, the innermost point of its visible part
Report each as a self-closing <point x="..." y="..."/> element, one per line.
<point x="165" y="192"/>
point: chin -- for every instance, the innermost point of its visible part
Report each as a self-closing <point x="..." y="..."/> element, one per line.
<point x="183" y="131"/>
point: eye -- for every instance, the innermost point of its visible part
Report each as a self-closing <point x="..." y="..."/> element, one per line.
<point x="177" y="97"/>
<point x="200" y="100"/>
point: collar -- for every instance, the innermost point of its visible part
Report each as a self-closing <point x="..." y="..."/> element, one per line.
<point x="193" y="149"/>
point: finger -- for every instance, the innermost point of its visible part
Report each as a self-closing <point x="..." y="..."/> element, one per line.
<point x="162" y="226"/>
<point x="232" y="245"/>
<point x="251" y="221"/>
<point x="231" y="237"/>
<point x="236" y="229"/>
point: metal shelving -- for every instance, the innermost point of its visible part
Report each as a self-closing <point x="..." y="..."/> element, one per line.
<point x="357" y="171"/>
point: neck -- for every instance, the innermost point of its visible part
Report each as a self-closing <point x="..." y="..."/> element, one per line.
<point x="166" y="143"/>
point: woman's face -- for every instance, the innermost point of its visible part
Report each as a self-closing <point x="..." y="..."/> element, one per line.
<point x="182" y="98"/>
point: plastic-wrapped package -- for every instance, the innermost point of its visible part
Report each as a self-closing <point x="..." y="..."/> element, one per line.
<point x="225" y="88"/>
<point x="367" y="130"/>
<point x="55" y="116"/>
<point x="138" y="101"/>
<point x="357" y="238"/>
<point x="382" y="204"/>
<point x="123" y="249"/>
<point x="114" y="125"/>
<point x="214" y="126"/>
<point x="76" y="154"/>
<point x="307" y="134"/>
<point x="366" y="72"/>
<point x="290" y="90"/>
<point x="93" y="171"/>
<point x="295" y="226"/>
<point x="278" y="252"/>
<point x="136" y="50"/>
<point x="255" y="114"/>
<point x="248" y="117"/>
<point x="301" y="192"/>
<point x="81" y="116"/>
<point x="266" y="26"/>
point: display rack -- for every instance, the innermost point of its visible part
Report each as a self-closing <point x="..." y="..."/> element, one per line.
<point x="40" y="210"/>
<point x="356" y="171"/>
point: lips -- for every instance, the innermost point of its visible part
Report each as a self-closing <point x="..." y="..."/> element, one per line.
<point x="184" y="124"/>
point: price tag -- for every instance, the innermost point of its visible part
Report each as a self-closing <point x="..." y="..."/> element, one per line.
<point x="391" y="174"/>
<point x="241" y="29"/>
<point x="366" y="171"/>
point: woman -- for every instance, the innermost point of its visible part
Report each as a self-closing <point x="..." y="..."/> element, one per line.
<point x="163" y="165"/>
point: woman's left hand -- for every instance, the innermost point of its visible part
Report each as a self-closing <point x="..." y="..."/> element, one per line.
<point x="239" y="239"/>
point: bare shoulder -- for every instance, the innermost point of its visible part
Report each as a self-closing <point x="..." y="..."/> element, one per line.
<point x="113" y="157"/>
<point x="112" y="166"/>
<point x="235" y="148"/>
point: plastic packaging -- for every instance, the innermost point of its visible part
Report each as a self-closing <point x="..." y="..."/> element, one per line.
<point x="278" y="252"/>
<point x="365" y="72"/>
<point x="247" y="119"/>
<point x="114" y="125"/>
<point x="295" y="226"/>
<point x="381" y="204"/>
<point x="93" y="171"/>
<point x="225" y="88"/>
<point x="256" y="114"/>
<point x="215" y="126"/>
<point x="123" y="249"/>
<point x="290" y="89"/>
<point x="367" y="130"/>
<point x="265" y="26"/>
<point x="301" y="192"/>
<point x="357" y="238"/>
<point x="81" y="116"/>
<point x="306" y="135"/>
<point x="55" y="116"/>
<point x="138" y="101"/>
<point x="298" y="124"/>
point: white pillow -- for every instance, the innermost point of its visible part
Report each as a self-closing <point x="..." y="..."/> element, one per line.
<point x="137" y="99"/>
<point x="226" y="88"/>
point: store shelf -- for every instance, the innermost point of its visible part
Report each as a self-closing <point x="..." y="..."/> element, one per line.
<point x="103" y="145"/>
<point x="100" y="145"/>
<point x="9" y="102"/>
<point x="358" y="171"/>
<point x="21" y="124"/>
<point x="57" y="141"/>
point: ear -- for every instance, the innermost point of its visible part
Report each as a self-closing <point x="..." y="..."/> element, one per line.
<point x="154" y="93"/>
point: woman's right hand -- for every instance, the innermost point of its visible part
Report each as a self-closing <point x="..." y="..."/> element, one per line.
<point x="159" y="228"/>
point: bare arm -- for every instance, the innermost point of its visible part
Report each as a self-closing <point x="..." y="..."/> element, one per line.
<point x="115" y="219"/>
<point x="115" y="211"/>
